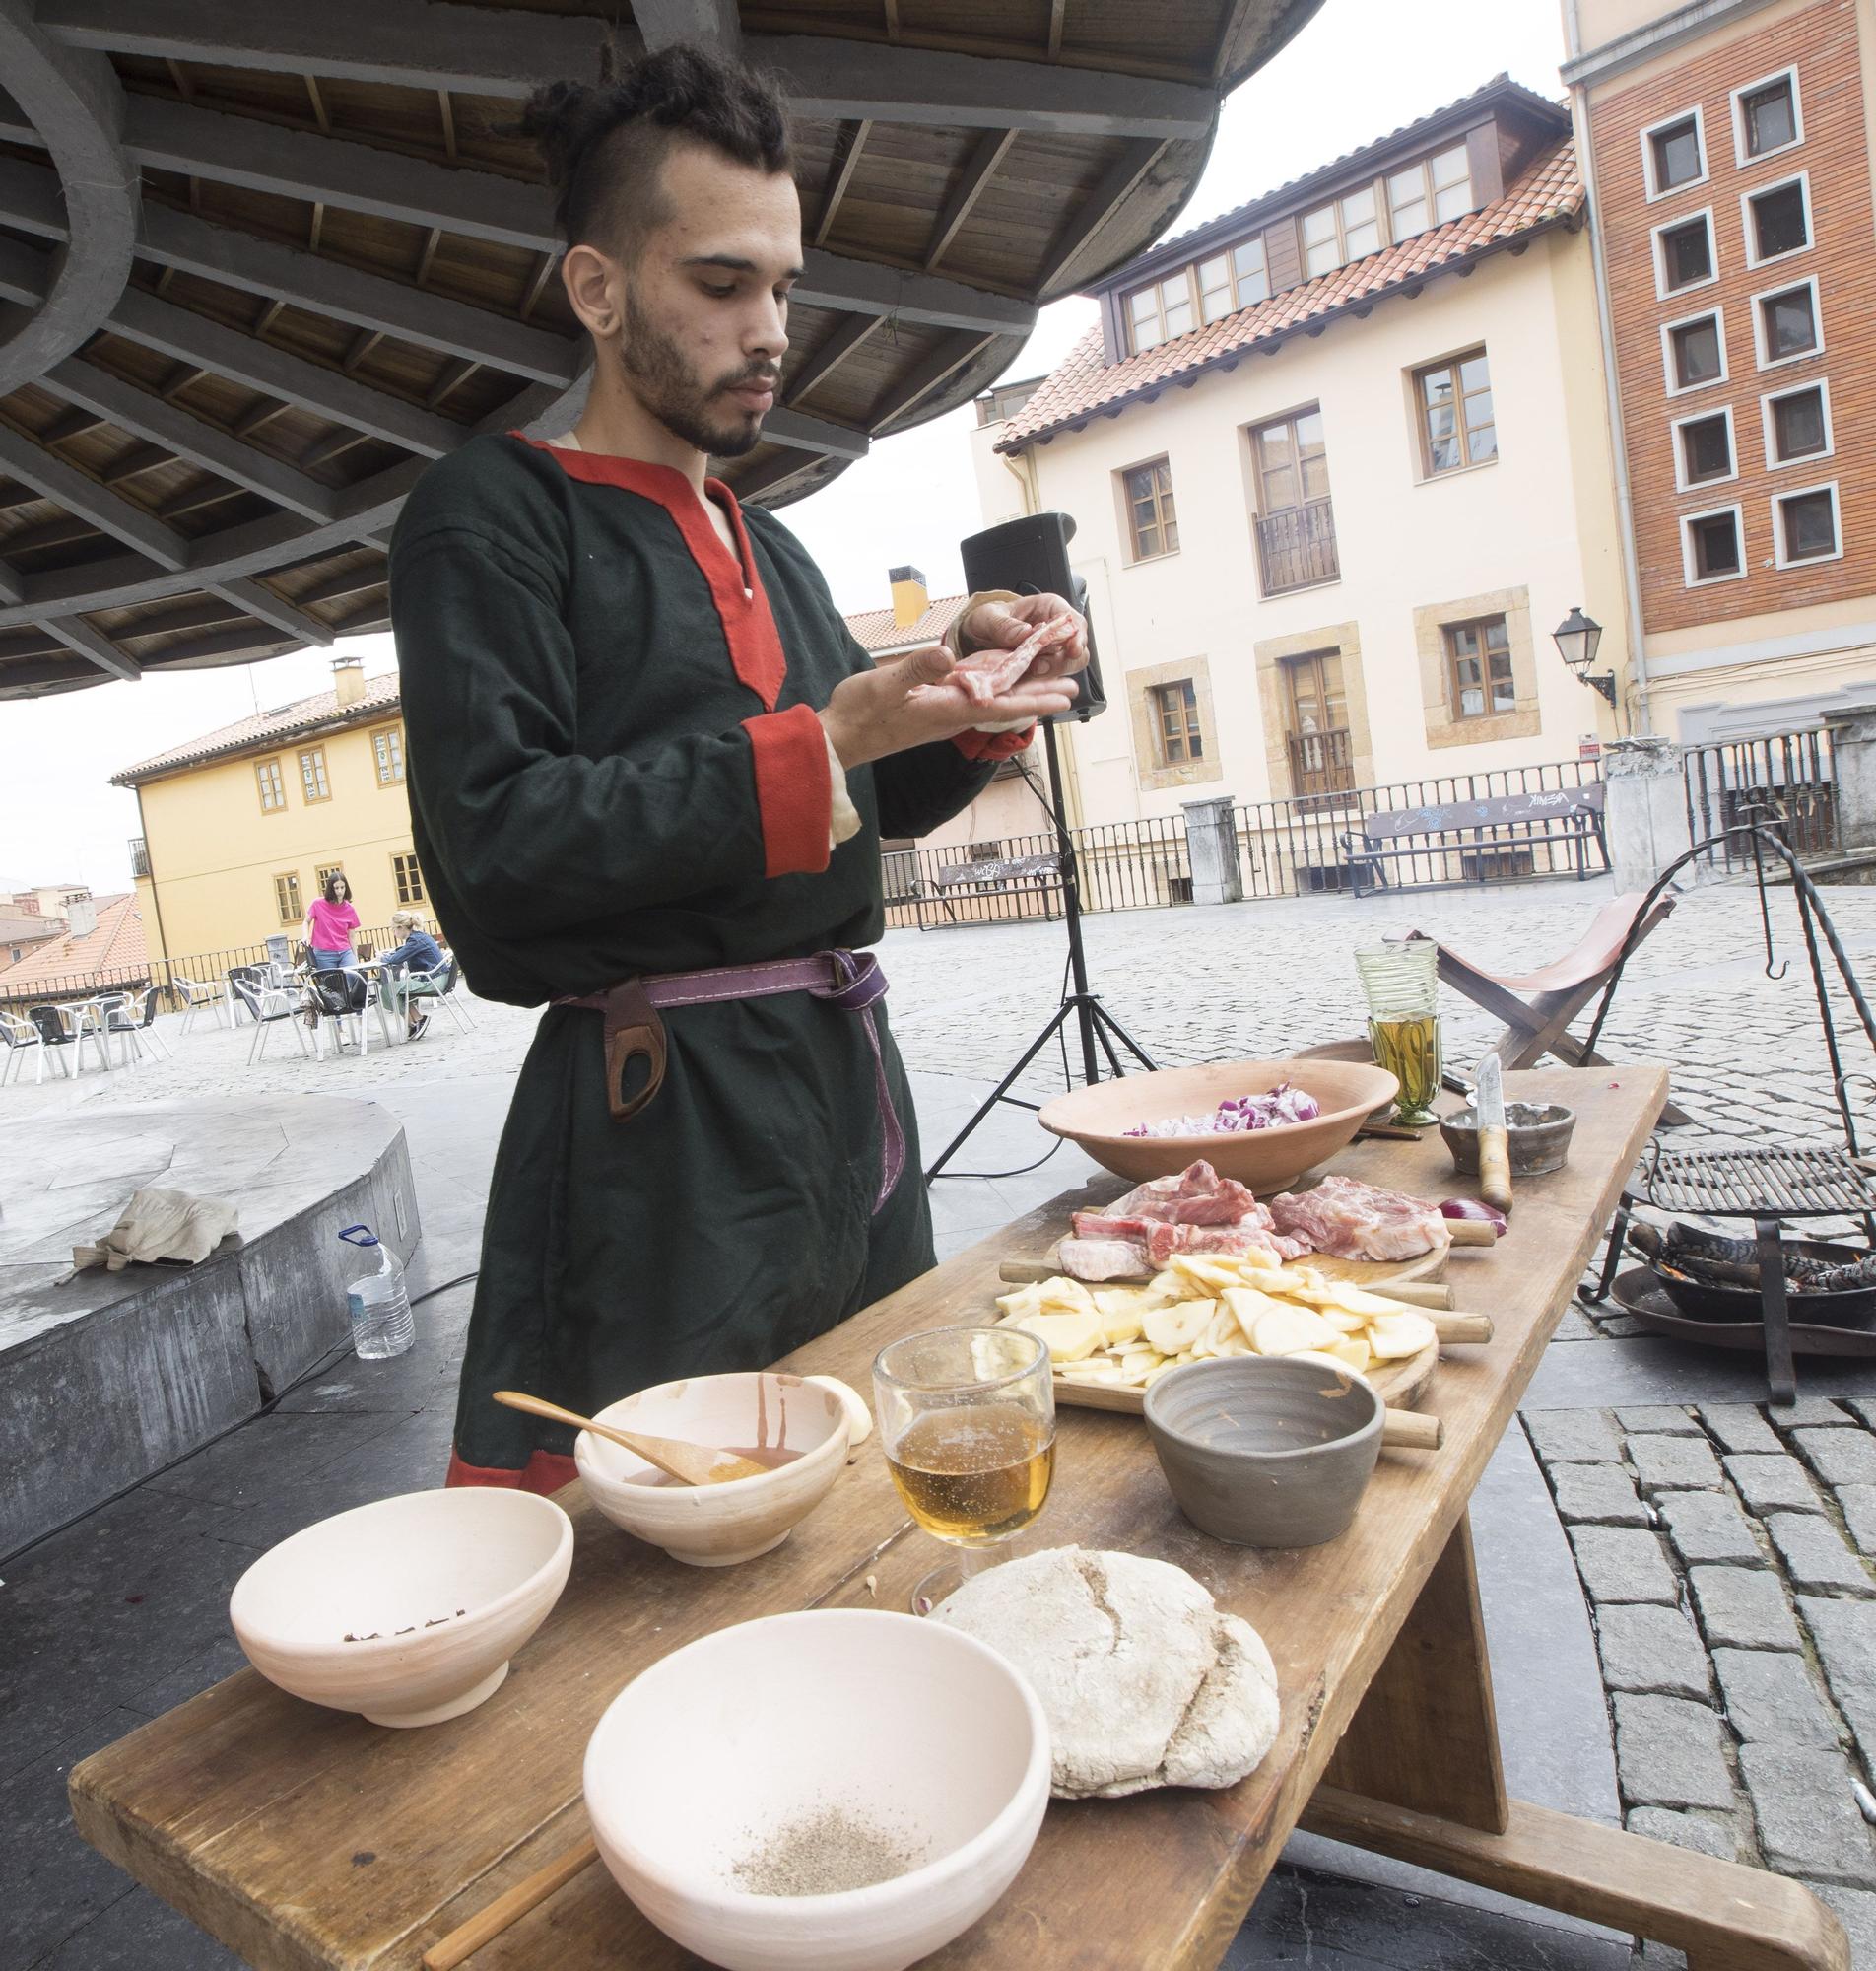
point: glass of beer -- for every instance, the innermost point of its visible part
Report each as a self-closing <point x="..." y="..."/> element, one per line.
<point x="1402" y="985"/>
<point x="967" y="1419"/>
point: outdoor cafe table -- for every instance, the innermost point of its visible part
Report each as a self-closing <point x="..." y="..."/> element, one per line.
<point x="302" y="1837"/>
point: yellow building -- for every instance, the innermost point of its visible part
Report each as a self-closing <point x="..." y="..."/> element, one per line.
<point x="241" y="826"/>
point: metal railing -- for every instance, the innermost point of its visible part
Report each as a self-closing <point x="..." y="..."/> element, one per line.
<point x="203" y="967"/>
<point x="1130" y="865"/>
<point x="1296" y="547"/>
<point x="1785" y="780"/>
<point x="139" y="857"/>
<point x="1321" y="763"/>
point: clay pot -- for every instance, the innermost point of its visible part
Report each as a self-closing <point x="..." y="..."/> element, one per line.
<point x="1537" y="1132"/>
<point x="1262" y="1451"/>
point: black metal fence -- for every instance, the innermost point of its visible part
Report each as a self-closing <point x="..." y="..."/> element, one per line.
<point x="1787" y="780"/>
<point x="1286" y="848"/>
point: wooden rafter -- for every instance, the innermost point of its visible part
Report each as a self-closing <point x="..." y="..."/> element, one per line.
<point x="316" y="97"/>
<point x="454" y="375"/>
<point x="832" y="352"/>
<point x="846" y="159"/>
<point x="537" y="283"/>
<point x="367" y="340"/>
<point x="991" y="149"/>
<point x="80" y="495"/>
<point x="259" y="600"/>
<point x="1117" y="183"/>
<point x="433" y="240"/>
<point x="446" y="113"/>
<point x="133" y="464"/>
<point x="78" y="635"/>
<point x="1056" y="9"/>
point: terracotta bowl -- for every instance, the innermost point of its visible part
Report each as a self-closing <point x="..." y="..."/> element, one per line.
<point x="718" y="1526"/>
<point x="912" y="1728"/>
<point x="467" y="1575"/>
<point x="1267" y="1160"/>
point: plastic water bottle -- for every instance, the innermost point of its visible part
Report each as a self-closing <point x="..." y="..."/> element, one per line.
<point x="378" y="1303"/>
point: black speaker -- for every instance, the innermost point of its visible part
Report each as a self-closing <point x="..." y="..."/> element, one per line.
<point x="1031" y="556"/>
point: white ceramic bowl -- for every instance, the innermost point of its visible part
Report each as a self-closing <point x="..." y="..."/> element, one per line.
<point x="482" y="1565"/>
<point x="913" y="1727"/>
<point x="716" y="1525"/>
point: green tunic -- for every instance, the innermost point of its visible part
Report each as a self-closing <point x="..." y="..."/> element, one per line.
<point x="615" y="769"/>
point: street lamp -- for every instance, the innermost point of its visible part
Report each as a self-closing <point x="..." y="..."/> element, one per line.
<point x="1576" y="638"/>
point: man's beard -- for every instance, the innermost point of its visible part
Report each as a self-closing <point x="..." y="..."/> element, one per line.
<point x="669" y="388"/>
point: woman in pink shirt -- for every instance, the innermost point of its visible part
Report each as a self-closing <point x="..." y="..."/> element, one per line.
<point x="330" y="923"/>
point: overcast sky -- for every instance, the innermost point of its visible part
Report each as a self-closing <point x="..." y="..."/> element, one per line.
<point x="912" y="501"/>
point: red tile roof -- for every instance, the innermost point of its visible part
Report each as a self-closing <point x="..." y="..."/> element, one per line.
<point x="876" y="629"/>
<point x="27" y="929"/>
<point x="66" y="966"/>
<point x="303" y="715"/>
<point x="1550" y="193"/>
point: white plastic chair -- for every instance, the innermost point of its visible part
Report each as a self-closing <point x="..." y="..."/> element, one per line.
<point x="21" y="1037"/>
<point x="446" y="978"/>
<point x="200" y="997"/>
<point x="270" y="1004"/>
<point x="132" y="1021"/>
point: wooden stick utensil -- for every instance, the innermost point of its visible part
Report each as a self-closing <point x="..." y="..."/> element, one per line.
<point x="1474" y="1231"/>
<point x="1411" y="1430"/>
<point x="691" y="1463"/>
<point x="508" y="1909"/>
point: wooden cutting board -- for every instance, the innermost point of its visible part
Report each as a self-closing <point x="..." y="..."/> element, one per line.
<point x="1399" y="1385"/>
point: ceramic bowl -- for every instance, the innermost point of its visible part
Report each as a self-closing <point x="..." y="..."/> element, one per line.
<point x="716" y="1525"/>
<point x="1267" y="1160"/>
<point x="1537" y="1135"/>
<point x="912" y="1728"/>
<point x="441" y="1588"/>
<point x="1262" y="1451"/>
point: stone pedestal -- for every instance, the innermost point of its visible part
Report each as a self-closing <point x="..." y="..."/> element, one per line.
<point x="1211" y="844"/>
<point x="1852" y="730"/>
<point x="1645" y="814"/>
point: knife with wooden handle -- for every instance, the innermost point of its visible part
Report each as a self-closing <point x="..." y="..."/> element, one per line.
<point x="1494" y="1146"/>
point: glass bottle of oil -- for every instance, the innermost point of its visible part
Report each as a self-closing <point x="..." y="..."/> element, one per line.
<point x="1401" y="982"/>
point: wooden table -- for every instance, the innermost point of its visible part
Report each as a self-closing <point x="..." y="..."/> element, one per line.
<point x="302" y="1837"/>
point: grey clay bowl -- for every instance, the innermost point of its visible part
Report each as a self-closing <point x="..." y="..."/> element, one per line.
<point x="1265" y="1451"/>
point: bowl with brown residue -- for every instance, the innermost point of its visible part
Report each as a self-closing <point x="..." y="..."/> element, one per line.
<point x="797" y="1426"/>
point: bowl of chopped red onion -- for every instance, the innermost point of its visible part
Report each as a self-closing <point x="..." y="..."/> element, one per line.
<point x="1263" y="1122"/>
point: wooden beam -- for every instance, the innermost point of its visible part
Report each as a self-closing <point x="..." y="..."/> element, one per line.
<point x="992" y="147"/>
<point x="319" y="104"/>
<point x="771" y="476"/>
<point x="367" y="340"/>
<point x="840" y="176"/>
<point x="333" y="445"/>
<point x="472" y="51"/>
<point x="133" y="464"/>
<point x="1115" y="185"/>
<point x="432" y="241"/>
<point x="454" y="375"/>
<point x="832" y="352"/>
<point x="250" y="422"/>
<point x="712" y="23"/>
<point x="446" y="115"/>
<point x="206" y="493"/>
<point x="865" y="81"/>
<point x="355" y="581"/>
<point x="11" y="590"/>
<point x="862" y="287"/>
<point x="538" y="281"/>
<point x="806" y="434"/>
<point x="78" y="635"/>
<point x="1056" y="9"/>
<point x="74" y="424"/>
<point x="261" y="602"/>
<point x="909" y="390"/>
<point x="78" y="493"/>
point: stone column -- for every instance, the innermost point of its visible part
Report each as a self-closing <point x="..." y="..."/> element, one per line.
<point x="1211" y="844"/>
<point x="1852" y="730"/>
<point x="1644" y="815"/>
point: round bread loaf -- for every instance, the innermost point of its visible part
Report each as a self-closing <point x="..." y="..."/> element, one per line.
<point x="1145" y="1683"/>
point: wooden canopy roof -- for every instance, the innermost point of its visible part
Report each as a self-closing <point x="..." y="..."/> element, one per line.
<point x="261" y="260"/>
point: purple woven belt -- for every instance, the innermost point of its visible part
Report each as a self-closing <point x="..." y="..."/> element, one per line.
<point x="853" y="981"/>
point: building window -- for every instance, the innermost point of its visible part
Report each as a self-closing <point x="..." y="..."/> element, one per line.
<point x="1336" y="233"/>
<point x="1479" y="668"/>
<point x="1704" y="449"/>
<point x="388" y="750"/>
<point x="1208" y="291"/>
<point x="1429" y="194"/>
<point x="1153" y="527"/>
<point x="1684" y="254"/>
<point x="313" y="774"/>
<point x="1777" y="220"/>
<point x="1175" y="728"/>
<point x="1710" y="547"/>
<point x="1786" y="326"/>
<point x="1804" y="525"/>
<point x="287" y="897"/>
<point x="273" y="792"/>
<point x="1766" y="117"/>
<point x="322" y="876"/>
<point x="1457" y="425"/>
<point x="1158" y="313"/>
<point x="1798" y="424"/>
<point x="1250" y="272"/>
<point x="1295" y="523"/>
<point x="1674" y="154"/>
<point x="1695" y="353"/>
<point x="407" y="878"/>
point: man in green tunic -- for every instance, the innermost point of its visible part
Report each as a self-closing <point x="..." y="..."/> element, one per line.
<point x="643" y="743"/>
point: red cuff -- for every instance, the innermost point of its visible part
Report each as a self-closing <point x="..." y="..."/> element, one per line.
<point x="546" y="1472"/>
<point x="794" y="791"/>
<point x="993" y="745"/>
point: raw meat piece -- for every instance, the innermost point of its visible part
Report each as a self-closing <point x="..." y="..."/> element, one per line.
<point x="1352" y="1220"/>
<point x="1097" y="1260"/>
<point x="987" y="674"/>
<point x="1198" y="1195"/>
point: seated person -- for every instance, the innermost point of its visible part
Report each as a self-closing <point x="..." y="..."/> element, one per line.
<point x="413" y="971"/>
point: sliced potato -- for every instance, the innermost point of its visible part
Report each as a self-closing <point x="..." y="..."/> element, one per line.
<point x="1325" y="1361"/>
<point x="1211" y="1271"/>
<point x="1290" y="1331"/>
<point x="1405" y="1333"/>
<point x="1068" y="1338"/>
<point x="1236" y="1345"/>
<point x="1025" y="1300"/>
<point x="1094" y="1370"/>
<point x="1120" y="1325"/>
<point x="1246" y="1304"/>
<point x="1175" y="1327"/>
<point x="1352" y="1351"/>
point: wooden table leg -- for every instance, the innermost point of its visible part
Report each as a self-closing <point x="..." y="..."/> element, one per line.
<point x="1418" y="1776"/>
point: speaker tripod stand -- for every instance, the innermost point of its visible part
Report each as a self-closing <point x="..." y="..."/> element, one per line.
<point x="1097" y="1028"/>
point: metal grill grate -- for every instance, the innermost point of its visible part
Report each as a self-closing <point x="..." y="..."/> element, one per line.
<point x="1784" y="1182"/>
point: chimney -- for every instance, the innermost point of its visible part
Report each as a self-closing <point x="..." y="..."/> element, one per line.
<point x="348" y="680"/>
<point x="910" y="600"/>
<point x="81" y="917"/>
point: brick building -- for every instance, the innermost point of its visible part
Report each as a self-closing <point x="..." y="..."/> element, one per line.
<point x="1726" y="148"/>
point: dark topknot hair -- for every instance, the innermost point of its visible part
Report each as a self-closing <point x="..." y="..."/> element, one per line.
<point x="601" y="142"/>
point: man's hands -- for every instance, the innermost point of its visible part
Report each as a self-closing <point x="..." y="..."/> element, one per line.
<point x="910" y="701"/>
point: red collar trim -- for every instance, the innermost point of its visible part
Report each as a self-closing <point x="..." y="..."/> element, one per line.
<point x="749" y="624"/>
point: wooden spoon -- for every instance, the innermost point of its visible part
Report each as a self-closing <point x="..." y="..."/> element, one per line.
<point x="690" y="1463"/>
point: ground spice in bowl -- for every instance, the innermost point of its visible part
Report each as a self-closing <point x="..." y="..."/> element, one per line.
<point x="827" y="1854"/>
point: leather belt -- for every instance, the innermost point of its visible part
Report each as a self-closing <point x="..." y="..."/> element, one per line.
<point x="853" y="981"/>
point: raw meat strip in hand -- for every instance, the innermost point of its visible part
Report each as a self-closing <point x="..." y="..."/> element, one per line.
<point x="1352" y="1220"/>
<point x="987" y="674"/>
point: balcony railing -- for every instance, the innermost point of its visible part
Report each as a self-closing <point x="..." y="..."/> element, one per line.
<point x="1296" y="547"/>
<point x="1320" y="763"/>
<point x="139" y="857"/>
